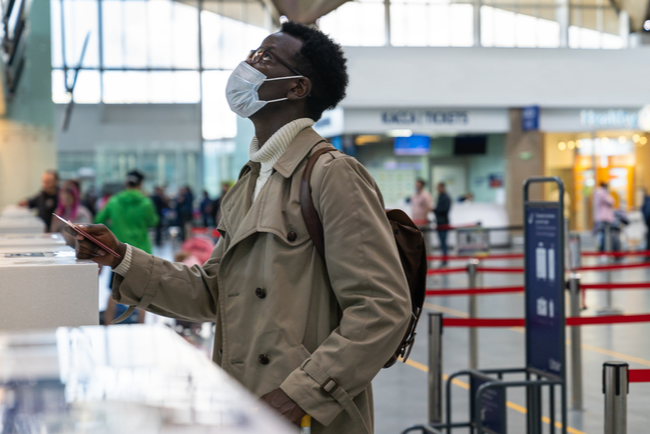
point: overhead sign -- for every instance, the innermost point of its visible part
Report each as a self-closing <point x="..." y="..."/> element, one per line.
<point x="609" y="119"/>
<point x="433" y="120"/>
<point x="544" y="287"/>
<point x="530" y="118"/>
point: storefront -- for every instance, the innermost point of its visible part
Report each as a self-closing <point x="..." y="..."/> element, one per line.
<point x="588" y="147"/>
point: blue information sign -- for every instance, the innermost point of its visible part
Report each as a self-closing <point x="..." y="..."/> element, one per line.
<point x="545" y="319"/>
<point x="493" y="405"/>
<point x="530" y="118"/>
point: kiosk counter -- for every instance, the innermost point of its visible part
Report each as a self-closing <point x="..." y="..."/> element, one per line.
<point x="122" y="379"/>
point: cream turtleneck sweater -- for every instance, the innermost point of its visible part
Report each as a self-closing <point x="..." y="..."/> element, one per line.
<point x="273" y="149"/>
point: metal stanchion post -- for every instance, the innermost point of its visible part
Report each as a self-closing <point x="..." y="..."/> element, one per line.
<point x="615" y="388"/>
<point x="609" y="309"/>
<point x="435" y="368"/>
<point x="576" y="343"/>
<point x="472" y="265"/>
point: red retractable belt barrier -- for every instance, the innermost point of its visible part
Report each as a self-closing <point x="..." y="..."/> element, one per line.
<point x="613" y="267"/>
<point x="618" y="254"/>
<point x="446" y="270"/>
<point x="482" y="258"/>
<point x="638" y="375"/>
<point x="483" y="322"/>
<point x="475" y="291"/>
<point x="500" y="269"/>
<point x="521" y="322"/>
<point x="608" y="286"/>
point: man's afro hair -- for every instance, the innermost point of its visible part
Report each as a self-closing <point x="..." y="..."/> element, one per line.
<point x="321" y="60"/>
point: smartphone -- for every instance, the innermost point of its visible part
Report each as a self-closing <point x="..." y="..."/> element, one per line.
<point x="88" y="236"/>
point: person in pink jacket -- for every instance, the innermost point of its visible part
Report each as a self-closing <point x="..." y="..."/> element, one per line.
<point x="603" y="211"/>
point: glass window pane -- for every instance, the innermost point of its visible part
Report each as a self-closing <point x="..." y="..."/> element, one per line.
<point x="548" y="33"/>
<point x="398" y="24"/>
<point x="218" y="120"/>
<point x="439" y="31"/>
<point x="135" y="34"/>
<point x="161" y="87"/>
<point x="611" y="41"/>
<point x="186" y="87"/>
<point x="87" y="89"/>
<point x="55" y="33"/>
<point x="113" y="33"/>
<point x="80" y="20"/>
<point x="487" y="26"/>
<point x="416" y="25"/>
<point x="526" y="30"/>
<point x="462" y="25"/>
<point x="126" y="87"/>
<point x="212" y="42"/>
<point x="159" y="26"/>
<point x="59" y="94"/>
<point x="185" y="39"/>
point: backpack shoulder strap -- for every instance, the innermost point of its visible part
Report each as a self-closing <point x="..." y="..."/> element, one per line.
<point x="309" y="214"/>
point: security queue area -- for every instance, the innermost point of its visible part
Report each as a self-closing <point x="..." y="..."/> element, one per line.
<point x="364" y="216"/>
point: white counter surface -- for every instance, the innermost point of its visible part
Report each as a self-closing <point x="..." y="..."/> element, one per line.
<point x="122" y="379"/>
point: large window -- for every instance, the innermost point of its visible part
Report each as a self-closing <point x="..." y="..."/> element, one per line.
<point x="464" y="23"/>
<point x="147" y="51"/>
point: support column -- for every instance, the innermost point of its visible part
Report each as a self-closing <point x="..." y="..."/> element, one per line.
<point x="524" y="155"/>
<point x="27" y="135"/>
<point x="563" y="18"/>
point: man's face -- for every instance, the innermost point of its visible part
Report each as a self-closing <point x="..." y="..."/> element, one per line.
<point x="284" y="46"/>
<point x="441" y="188"/>
<point x="419" y="186"/>
<point x="49" y="183"/>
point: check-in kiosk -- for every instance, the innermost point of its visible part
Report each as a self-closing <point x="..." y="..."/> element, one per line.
<point x="32" y="240"/>
<point x="120" y="380"/>
<point x="46" y="287"/>
<point x="27" y="225"/>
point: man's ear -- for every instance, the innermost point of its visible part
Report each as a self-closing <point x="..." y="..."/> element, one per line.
<point x="301" y="89"/>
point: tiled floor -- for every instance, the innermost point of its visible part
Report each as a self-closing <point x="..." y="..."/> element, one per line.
<point x="401" y="391"/>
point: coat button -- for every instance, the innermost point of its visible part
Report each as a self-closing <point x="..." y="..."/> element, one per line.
<point x="264" y="359"/>
<point x="260" y="292"/>
<point x="291" y="236"/>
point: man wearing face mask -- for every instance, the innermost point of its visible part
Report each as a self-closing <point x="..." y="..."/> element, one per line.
<point x="305" y="334"/>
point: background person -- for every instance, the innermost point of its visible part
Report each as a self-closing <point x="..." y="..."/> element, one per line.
<point x="47" y="200"/>
<point x="70" y="208"/>
<point x="441" y="212"/>
<point x="129" y="214"/>
<point x="603" y="212"/>
<point x="205" y="208"/>
<point x="216" y="205"/>
<point x="421" y="203"/>
<point x="160" y="202"/>
<point x="645" y="211"/>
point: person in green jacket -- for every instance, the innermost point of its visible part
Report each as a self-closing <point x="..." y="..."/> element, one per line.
<point x="129" y="214"/>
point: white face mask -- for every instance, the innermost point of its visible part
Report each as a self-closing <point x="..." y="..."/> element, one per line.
<point x="242" y="87"/>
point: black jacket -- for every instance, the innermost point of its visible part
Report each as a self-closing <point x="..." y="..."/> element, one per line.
<point x="442" y="209"/>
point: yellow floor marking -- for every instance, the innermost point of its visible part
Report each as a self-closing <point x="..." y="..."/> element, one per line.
<point x="448" y="310"/>
<point x="615" y="354"/>
<point x="509" y="404"/>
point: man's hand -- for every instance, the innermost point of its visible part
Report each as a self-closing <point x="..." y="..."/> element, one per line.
<point x="284" y="405"/>
<point x="88" y="250"/>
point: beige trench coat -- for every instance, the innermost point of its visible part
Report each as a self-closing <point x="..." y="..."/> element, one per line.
<point x="282" y="318"/>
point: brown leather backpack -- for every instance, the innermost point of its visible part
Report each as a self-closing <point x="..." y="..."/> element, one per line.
<point x="410" y="244"/>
